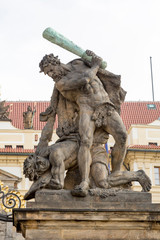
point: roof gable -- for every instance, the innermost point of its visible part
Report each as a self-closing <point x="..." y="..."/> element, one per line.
<point x="155" y="123"/>
<point x="8" y="176"/>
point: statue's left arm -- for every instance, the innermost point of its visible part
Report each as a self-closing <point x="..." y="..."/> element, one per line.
<point x="47" y="131"/>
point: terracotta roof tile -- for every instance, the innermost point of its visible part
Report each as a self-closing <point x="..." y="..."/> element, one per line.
<point x="153" y="147"/>
<point x="131" y="113"/>
<point x="138" y="113"/>
<point x="16" y="150"/>
<point x="16" y="113"/>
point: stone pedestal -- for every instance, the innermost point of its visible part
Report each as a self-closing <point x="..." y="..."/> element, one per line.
<point x="58" y="215"/>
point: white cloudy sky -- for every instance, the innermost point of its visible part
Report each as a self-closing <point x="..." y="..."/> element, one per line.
<point x="125" y="33"/>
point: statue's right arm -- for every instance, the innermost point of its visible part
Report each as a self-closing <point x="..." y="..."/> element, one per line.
<point x="71" y="83"/>
<point x="46" y="136"/>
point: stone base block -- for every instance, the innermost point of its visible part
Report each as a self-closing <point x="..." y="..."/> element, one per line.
<point x="112" y="220"/>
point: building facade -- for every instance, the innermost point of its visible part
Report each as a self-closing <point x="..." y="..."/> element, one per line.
<point x="144" y="153"/>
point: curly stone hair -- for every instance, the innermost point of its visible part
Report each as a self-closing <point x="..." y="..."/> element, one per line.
<point x="29" y="167"/>
<point x="49" y="60"/>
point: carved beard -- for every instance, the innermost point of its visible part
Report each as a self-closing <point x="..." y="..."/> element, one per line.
<point x="58" y="73"/>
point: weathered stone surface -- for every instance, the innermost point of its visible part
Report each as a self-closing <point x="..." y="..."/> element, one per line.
<point x="28" y="118"/>
<point x="8" y="232"/>
<point x="117" y="195"/>
<point x="62" y="199"/>
<point x="87" y="101"/>
<point x="59" y="199"/>
<point x="95" y="224"/>
<point x="58" y="215"/>
<point x="4" y="111"/>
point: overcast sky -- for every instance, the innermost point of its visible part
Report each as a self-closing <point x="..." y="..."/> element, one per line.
<point x="125" y="33"/>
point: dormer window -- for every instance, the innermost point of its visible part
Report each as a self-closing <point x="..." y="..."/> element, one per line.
<point x="153" y="143"/>
<point x="151" y="106"/>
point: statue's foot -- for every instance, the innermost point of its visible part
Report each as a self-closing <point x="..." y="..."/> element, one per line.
<point x="81" y="190"/>
<point x="29" y="195"/>
<point x="103" y="184"/>
<point x="96" y="60"/>
<point x="54" y="184"/>
<point x="144" y="180"/>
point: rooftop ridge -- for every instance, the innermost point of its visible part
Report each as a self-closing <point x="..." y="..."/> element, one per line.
<point x="16" y="150"/>
<point x="132" y="112"/>
<point x="139" y="146"/>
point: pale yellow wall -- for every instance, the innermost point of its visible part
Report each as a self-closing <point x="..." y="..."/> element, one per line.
<point x="143" y="134"/>
<point x="21" y="137"/>
<point x="145" y="161"/>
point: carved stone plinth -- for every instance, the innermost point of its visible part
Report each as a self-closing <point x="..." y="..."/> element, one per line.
<point x="58" y="215"/>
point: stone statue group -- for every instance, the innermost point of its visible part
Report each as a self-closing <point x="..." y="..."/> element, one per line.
<point x="87" y="100"/>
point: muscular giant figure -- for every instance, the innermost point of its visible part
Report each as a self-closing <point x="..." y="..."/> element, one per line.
<point x="81" y="85"/>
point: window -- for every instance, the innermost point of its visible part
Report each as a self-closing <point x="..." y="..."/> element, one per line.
<point x="8" y="146"/>
<point x="151" y="106"/>
<point x="15" y="185"/>
<point x="36" y="137"/>
<point x="153" y="143"/>
<point x="157" y="175"/>
<point x="19" y="146"/>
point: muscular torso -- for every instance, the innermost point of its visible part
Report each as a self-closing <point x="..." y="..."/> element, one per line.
<point x="91" y="94"/>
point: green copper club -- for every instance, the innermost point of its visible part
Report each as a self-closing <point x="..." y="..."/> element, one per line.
<point x="58" y="39"/>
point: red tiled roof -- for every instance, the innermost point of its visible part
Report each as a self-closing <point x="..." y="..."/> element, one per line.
<point x="152" y="147"/>
<point x="138" y="113"/>
<point x="16" y="150"/>
<point x="16" y="113"/>
<point x="131" y="113"/>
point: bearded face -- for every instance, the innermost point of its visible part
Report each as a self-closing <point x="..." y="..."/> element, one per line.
<point x="35" y="166"/>
<point x="52" y="66"/>
<point x="54" y="71"/>
<point x="29" y="168"/>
